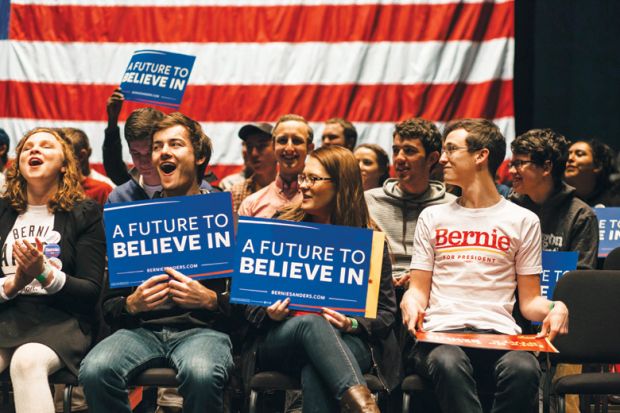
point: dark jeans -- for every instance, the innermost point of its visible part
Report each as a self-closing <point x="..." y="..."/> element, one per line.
<point x="201" y="356"/>
<point x="329" y="361"/>
<point x="457" y="372"/>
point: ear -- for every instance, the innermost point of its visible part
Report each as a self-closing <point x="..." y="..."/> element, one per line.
<point x="547" y="168"/>
<point x="3" y="150"/>
<point x="432" y="159"/>
<point x="201" y="160"/>
<point x="310" y="147"/>
<point x="83" y="154"/>
<point x="482" y="156"/>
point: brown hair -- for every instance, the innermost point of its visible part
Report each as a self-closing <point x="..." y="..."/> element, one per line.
<point x="383" y="160"/>
<point x="69" y="187"/>
<point x="481" y="134"/>
<point x="422" y="129"/>
<point x="141" y="123"/>
<point x="201" y="143"/>
<point x="292" y="117"/>
<point x="350" y="205"/>
<point x="350" y="133"/>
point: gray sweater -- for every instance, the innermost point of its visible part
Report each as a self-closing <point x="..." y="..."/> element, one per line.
<point x="396" y="213"/>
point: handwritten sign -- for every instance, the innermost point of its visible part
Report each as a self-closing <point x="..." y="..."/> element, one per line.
<point x="609" y="229"/>
<point x="192" y="234"/>
<point x="527" y="342"/>
<point x="157" y="77"/>
<point x="314" y="265"/>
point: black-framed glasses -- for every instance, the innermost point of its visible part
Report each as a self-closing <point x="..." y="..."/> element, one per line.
<point x="518" y="163"/>
<point x="310" y="179"/>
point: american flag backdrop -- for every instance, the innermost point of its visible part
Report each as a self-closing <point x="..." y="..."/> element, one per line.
<point x="374" y="62"/>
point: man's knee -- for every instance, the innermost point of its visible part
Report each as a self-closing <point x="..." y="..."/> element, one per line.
<point x="97" y="368"/>
<point x="518" y="365"/>
<point x="201" y="373"/>
<point x="447" y="359"/>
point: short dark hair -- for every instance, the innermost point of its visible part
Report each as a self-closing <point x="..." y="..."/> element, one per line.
<point x="5" y="141"/>
<point x="481" y="134"/>
<point x="141" y="123"/>
<point x="544" y="145"/>
<point x="422" y="129"/>
<point x="297" y="118"/>
<point x="201" y="143"/>
<point x="350" y="133"/>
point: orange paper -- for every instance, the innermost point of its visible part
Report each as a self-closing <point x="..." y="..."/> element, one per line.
<point x="527" y="342"/>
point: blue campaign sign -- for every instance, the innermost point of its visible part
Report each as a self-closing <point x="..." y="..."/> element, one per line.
<point x="555" y="264"/>
<point x="314" y="265"/>
<point x="157" y="77"/>
<point x="192" y="234"/>
<point x="609" y="229"/>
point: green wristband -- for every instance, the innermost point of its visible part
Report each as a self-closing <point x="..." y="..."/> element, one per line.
<point x="354" y="324"/>
<point x="42" y="278"/>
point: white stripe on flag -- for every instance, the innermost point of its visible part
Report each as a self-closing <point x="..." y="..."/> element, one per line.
<point x="270" y="63"/>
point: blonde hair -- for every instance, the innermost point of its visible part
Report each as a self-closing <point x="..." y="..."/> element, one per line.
<point x="349" y="207"/>
<point x="69" y="186"/>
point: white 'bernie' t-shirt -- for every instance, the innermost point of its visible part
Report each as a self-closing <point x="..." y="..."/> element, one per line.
<point x="474" y="255"/>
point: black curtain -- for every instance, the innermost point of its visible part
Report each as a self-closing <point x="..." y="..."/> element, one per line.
<point x="567" y="67"/>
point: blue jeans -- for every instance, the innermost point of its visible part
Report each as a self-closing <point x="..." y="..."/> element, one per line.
<point x="201" y="356"/>
<point x="329" y="361"/>
<point x="457" y="372"/>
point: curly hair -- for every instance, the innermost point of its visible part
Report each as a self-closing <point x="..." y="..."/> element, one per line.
<point x="418" y="128"/>
<point x="544" y="145"/>
<point x="69" y="185"/>
<point x="350" y="207"/>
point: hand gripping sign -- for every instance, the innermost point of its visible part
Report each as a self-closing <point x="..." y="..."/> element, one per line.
<point x="314" y="265"/>
<point x="192" y="234"/>
<point x="157" y="77"/>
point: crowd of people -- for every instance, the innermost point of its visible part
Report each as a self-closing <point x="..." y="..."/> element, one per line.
<point x="460" y="243"/>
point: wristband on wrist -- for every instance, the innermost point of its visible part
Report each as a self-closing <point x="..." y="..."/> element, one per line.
<point x="42" y="278"/>
<point x="354" y="324"/>
<point x="551" y="305"/>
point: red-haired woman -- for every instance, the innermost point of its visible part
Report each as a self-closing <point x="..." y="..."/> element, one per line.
<point x="53" y="257"/>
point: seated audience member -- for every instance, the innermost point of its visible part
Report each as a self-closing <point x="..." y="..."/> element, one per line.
<point x="537" y="168"/>
<point x="330" y="350"/>
<point x="261" y="159"/>
<point x="588" y="169"/>
<point x="228" y="181"/>
<point x="5" y="145"/>
<point x="473" y="288"/>
<point x="395" y="207"/>
<point x="142" y="181"/>
<point x="292" y="140"/>
<point x="374" y="164"/>
<point x="567" y="223"/>
<point x="93" y="188"/>
<point x="53" y="258"/>
<point x="340" y="132"/>
<point x="170" y="319"/>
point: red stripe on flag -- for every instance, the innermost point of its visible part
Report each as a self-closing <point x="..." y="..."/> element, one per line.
<point x="325" y="23"/>
<point x="234" y="103"/>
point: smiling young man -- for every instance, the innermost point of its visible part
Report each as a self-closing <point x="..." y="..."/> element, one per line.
<point x="470" y="257"/>
<point x="292" y="141"/>
<point x="537" y="169"/>
<point x="396" y="206"/>
<point x="170" y="319"/>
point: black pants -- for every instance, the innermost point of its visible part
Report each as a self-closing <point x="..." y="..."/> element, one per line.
<point x="457" y="372"/>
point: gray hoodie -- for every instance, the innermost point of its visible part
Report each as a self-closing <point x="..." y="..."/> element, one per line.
<point x="396" y="213"/>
